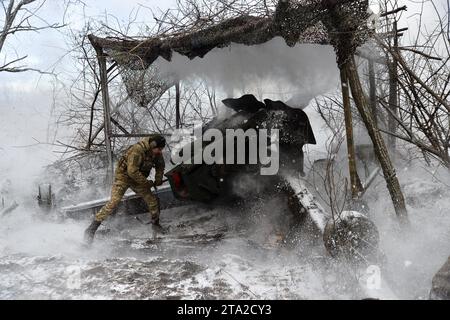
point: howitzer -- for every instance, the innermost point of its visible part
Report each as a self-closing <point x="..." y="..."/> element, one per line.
<point x="213" y="182"/>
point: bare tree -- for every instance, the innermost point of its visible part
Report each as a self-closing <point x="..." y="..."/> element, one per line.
<point x="327" y="176"/>
<point x="193" y="15"/>
<point x="21" y="16"/>
<point x="423" y="81"/>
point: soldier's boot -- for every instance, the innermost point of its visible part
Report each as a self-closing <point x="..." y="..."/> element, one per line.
<point x="90" y="232"/>
<point x="156" y="226"/>
<point x="155" y="223"/>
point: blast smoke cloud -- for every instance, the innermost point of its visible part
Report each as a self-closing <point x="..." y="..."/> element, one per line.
<point x="270" y="70"/>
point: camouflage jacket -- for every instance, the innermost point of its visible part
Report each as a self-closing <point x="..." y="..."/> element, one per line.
<point x="136" y="163"/>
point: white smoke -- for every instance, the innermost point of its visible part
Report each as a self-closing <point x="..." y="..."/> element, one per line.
<point x="270" y="70"/>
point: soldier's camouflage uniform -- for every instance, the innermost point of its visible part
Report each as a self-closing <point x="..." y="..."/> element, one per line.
<point x="132" y="171"/>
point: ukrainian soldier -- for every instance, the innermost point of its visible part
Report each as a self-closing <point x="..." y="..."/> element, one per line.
<point x="132" y="171"/>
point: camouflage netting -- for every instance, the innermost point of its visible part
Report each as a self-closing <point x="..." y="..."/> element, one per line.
<point x="145" y="86"/>
<point x="341" y="23"/>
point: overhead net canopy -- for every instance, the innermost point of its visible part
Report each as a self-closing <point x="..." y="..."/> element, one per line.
<point x="342" y="24"/>
<point x="145" y="86"/>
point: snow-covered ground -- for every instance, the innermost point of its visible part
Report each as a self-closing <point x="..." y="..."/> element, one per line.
<point x="235" y="252"/>
<point x="207" y="253"/>
<point x="214" y="253"/>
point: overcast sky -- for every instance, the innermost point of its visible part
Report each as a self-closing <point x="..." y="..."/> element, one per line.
<point x="26" y="98"/>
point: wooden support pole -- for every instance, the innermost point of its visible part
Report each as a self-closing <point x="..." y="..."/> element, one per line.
<point x="373" y="90"/>
<point x="393" y="92"/>
<point x="91" y="122"/>
<point x="379" y="146"/>
<point x="356" y="186"/>
<point x="106" y="112"/>
<point x="177" y="105"/>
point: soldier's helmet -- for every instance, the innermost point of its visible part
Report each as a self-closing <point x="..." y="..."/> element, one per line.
<point x="160" y="141"/>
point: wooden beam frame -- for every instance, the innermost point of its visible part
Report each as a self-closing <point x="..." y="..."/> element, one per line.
<point x="356" y="186"/>
<point x="106" y="112"/>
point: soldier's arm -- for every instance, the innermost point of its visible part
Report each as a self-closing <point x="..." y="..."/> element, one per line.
<point x="159" y="170"/>
<point x="134" y="162"/>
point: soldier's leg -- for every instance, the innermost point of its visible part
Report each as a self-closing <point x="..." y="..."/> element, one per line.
<point x="150" y="199"/>
<point x="117" y="192"/>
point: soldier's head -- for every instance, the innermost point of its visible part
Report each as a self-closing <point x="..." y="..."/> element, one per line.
<point x="158" y="143"/>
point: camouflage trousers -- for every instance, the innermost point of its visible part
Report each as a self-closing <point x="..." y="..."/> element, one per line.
<point x="117" y="192"/>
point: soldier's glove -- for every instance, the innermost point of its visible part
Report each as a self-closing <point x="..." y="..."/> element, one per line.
<point x="158" y="181"/>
